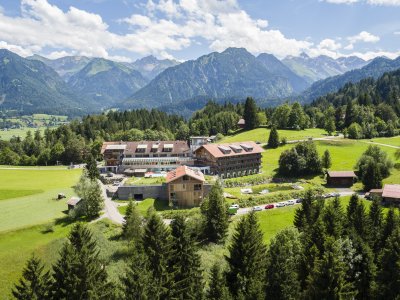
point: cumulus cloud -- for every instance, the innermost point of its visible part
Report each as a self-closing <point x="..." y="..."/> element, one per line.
<point x="371" y="2"/>
<point x="365" y="37"/>
<point x="342" y="1"/>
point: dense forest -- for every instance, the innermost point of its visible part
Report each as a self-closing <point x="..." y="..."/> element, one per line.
<point x="367" y="109"/>
<point x="331" y="252"/>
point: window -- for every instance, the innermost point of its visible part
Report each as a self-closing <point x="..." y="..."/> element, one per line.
<point x="185" y="178"/>
<point x="197" y="187"/>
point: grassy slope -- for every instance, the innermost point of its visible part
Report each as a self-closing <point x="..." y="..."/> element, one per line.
<point x="21" y="132"/>
<point x="394" y="141"/>
<point x="262" y="134"/>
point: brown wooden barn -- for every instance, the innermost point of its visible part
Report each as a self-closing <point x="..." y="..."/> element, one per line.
<point x="73" y="202"/>
<point x="341" y="178"/>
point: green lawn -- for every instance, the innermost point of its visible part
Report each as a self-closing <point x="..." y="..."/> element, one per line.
<point x="261" y="135"/>
<point x="144" y="181"/>
<point x="28" y="196"/>
<point x="393" y="141"/>
<point x="21" y="132"/>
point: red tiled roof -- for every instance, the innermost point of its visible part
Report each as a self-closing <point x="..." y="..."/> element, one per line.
<point x="391" y="191"/>
<point x="184" y="170"/>
<point x="341" y="174"/>
<point x="215" y="149"/>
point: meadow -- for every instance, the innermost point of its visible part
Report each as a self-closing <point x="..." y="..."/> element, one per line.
<point x="30" y="217"/>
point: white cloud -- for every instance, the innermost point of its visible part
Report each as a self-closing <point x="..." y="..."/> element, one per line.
<point x="341" y="1"/>
<point x="18" y="49"/>
<point x="365" y="37"/>
<point x="373" y="54"/>
<point x="384" y="2"/>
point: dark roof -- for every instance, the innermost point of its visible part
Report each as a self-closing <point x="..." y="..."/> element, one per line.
<point x="178" y="147"/>
<point x="341" y="174"/>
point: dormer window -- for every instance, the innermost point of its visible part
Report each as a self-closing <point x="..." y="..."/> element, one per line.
<point x="168" y="147"/>
<point x="225" y="149"/>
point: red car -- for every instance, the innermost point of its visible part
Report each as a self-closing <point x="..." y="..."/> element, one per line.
<point x="269" y="206"/>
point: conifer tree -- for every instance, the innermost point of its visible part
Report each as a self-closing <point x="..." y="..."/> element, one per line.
<point x="157" y="246"/>
<point x="327" y="280"/>
<point x="215" y="213"/>
<point x="389" y="268"/>
<point x="375" y="216"/>
<point x="184" y="263"/>
<point x="283" y="263"/>
<point x="137" y="281"/>
<point x="34" y="283"/>
<point x="351" y="209"/>
<point x="250" y="114"/>
<point x="217" y="289"/>
<point x="390" y="225"/>
<point x="79" y="273"/>
<point x="246" y="260"/>
<point x="326" y="160"/>
<point x="91" y="167"/>
<point x="132" y="228"/>
<point x="273" y="140"/>
<point x="333" y="218"/>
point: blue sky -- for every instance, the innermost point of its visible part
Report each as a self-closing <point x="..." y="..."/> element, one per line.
<point x="185" y="29"/>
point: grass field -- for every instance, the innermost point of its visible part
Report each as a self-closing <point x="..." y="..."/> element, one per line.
<point x="261" y="135"/>
<point x="393" y="141"/>
<point x="21" y="132"/>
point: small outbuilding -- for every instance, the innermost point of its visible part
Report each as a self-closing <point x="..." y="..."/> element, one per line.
<point x="341" y="178"/>
<point x="391" y="194"/>
<point x="241" y="123"/>
<point x="73" y="202"/>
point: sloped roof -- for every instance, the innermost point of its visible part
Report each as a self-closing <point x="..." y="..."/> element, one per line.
<point x="214" y="149"/>
<point x="391" y="191"/>
<point x="241" y="122"/>
<point x="341" y="174"/>
<point x="184" y="170"/>
<point x="73" y="201"/>
<point x="178" y="147"/>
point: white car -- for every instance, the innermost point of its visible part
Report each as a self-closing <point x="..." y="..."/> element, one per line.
<point x="234" y="206"/>
<point x="257" y="208"/>
<point x="291" y="202"/>
<point x="280" y="204"/>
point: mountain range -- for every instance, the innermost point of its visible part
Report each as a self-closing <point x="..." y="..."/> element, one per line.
<point x="78" y="84"/>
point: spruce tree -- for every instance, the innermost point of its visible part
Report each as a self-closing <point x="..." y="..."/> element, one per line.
<point x="389" y="268"/>
<point x="217" y="289"/>
<point x="282" y="264"/>
<point x="132" y="228"/>
<point x="215" y="213"/>
<point x="157" y="246"/>
<point x="184" y="263"/>
<point x="79" y="273"/>
<point x="91" y="167"/>
<point x="326" y="160"/>
<point x="333" y="218"/>
<point x="390" y="225"/>
<point x="137" y="281"/>
<point x="327" y="280"/>
<point x="250" y="114"/>
<point x="246" y="260"/>
<point x="273" y="140"/>
<point x="34" y="283"/>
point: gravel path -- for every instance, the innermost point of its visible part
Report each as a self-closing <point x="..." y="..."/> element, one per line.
<point x="110" y="207"/>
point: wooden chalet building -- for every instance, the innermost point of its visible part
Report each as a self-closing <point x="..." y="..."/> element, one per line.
<point x="73" y="202"/>
<point x="390" y="194"/>
<point x="341" y="178"/>
<point x="230" y="160"/>
<point x="185" y="187"/>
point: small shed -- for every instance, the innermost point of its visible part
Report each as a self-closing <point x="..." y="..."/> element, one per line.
<point x="241" y="123"/>
<point x="73" y="202"/>
<point x="140" y="172"/>
<point x="341" y="178"/>
<point x="391" y="194"/>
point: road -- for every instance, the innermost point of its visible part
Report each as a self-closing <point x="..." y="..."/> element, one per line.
<point x="110" y="207"/>
<point x="380" y="144"/>
<point x="246" y="210"/>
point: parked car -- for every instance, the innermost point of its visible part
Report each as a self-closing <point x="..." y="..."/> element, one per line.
<point x="263" y="192"/>
<point x="116" y="184"/>
<point x="234" y="206"/>
<point x="291" y="202"/>
<point x="109" y="174"/>
<point x="329" y="195"/>
<point x="246" y="191"/>
<point x="269" y="206"/>
<point x="257" y="208"/>
<point x="299" y="200"/>
<point x="280" y="204"/>
<point x="336" y="195"/>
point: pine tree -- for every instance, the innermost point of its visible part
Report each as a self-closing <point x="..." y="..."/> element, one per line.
<point x="389" y="268"/>
<point x="184" y="263"/>
<point x="390" y="225"/>
<point x="215" y="213"/>
<point x="327" y="280"/>
<point x="137" y="281"/>
<point x="351" y="209"/>
<point x="247" y="255"/>
<point x="273" y="140"/>
<point x="283" y="263"/>
<point x="333" y="218"/>
<point x="34" y="283"/>
<point x="79" y="273"/>
<point x="91" y="167"/>
<point x="326" y="160"/>
<point x="250" y="114"/>
<point x="217" y="289"/>
<point x="157" y="246"/>
<point x="375" y="216"/>
<point x="132" y="228"/>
